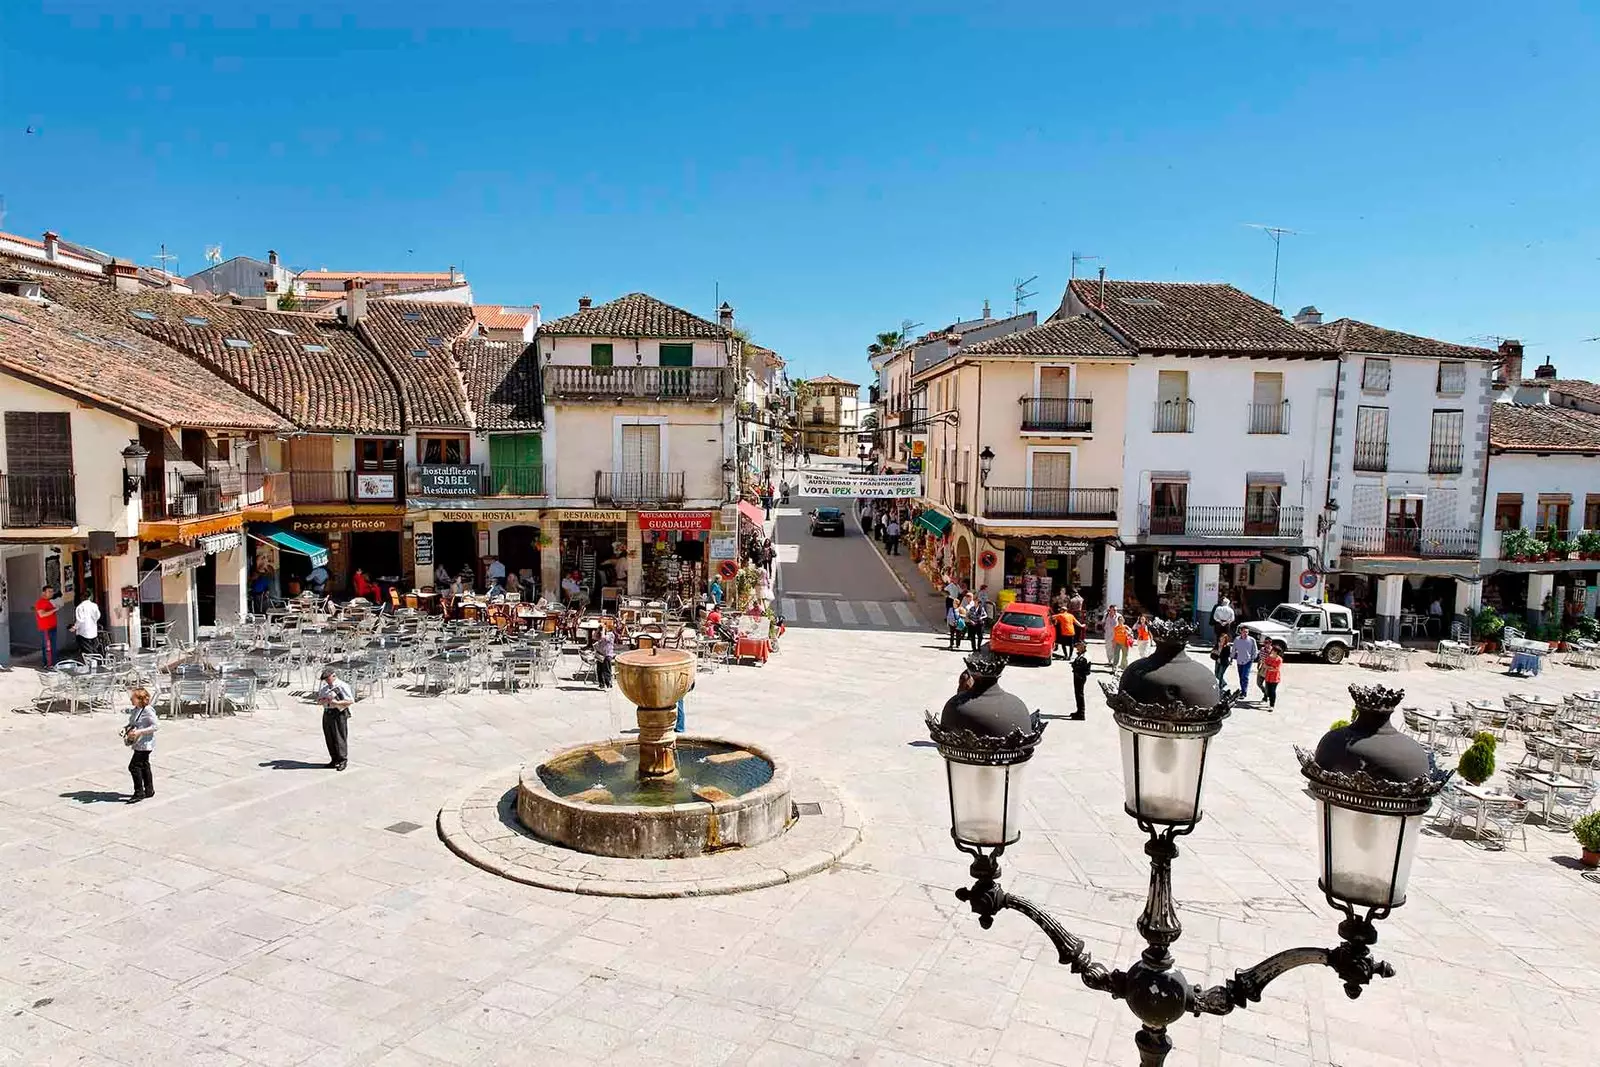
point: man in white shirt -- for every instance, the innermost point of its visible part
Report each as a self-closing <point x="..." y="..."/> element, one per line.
<point x="336" y="697"/>
<point x="496" y="571"/>
<point x="1222" y="616"/>
<point x="86" y="623"/>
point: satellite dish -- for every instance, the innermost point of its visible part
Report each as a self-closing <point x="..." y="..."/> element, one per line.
<point x="213" y="254"/>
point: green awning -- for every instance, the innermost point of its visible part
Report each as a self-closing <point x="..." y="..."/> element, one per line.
<point x="316" y="553"/>
<point x="935" y="522"/>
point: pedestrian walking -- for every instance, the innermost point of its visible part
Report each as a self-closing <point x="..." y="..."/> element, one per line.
<point x="335" y="697"/>
<point x="1222" y="617"/>
<point x="1222" y="653"/>
<point x="86" y="623"/>
<point x="957" y="624"/>
<point x="1108" y="630"/>
<point x="1141" y="637"/>
<point x="952" y="591"/>
<point x="1080" y="677"/>
<point x="891" y="540"/>
<point x="44" y="617"/>
<point x="1122" y="642"/>
<point x="1066" y="632"/>
<point x="1271" y="672"/>
<point x="605" y="650"/>
<point x="1245" y="652"/>
<point x="140" y="735"/>
<point x="974" y="618"/>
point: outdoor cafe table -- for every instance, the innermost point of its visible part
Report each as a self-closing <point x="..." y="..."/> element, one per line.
<point x="757" y="648"/>
<point x="1480" y="795"/>
<point x="1525" y="663"/>
<point x="1553" y="782"/>
<point x="1432" y="718"/>
<point x="1563" y="749"/>
<point x="456" y="659"/>
<point x="1587" y="730"/>
<point x="512" y="658"/>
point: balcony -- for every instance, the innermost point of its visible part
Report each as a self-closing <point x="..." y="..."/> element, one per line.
<point x="1268" y="418"/>
<point x="1049" y="414"/>
<point x="644" y="383"/>
<point x="39" y="500"/>
<point x="1017" y="502"/>
<point x="1410" y="542"/>
<point x="1174" y="416"/>
<point x="1444" y="459"/>
<point x="1283" y="522"/>
<point x="179" y="500"/>
<point x="634" y="488"/>
<point x="1372" y="455"/>
<point x="346" y="487"/>
<point x="958" y="497"/>
<point x="270" y="489"/>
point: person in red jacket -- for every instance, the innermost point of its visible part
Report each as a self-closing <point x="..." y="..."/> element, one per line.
<point x="44" y="614"/>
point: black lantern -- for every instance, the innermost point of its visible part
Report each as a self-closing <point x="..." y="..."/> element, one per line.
<point x="133" y="459"/>
<point x="985" y="464"/>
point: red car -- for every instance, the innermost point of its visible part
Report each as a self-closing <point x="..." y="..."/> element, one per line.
<point x="1024" y="630"/>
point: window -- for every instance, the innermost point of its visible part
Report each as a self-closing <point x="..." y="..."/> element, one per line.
<point x="516" y="461"/>
<point x="600" y="355"/>
<point x="409" y="316"/>
<point x="315" y="348"/>
<point x="1375" y="376"/>
<point x="1452" y="377"/>
<point x="280" y="331"/>
<point x="148" y="316"/>
<point x="373" y="454"/>
<point x="1172" y="402"/>
<point x="641" y="449"/>
<point x="1169" y="506"/>
<point x="1268" y="412"/>
<point x="1591" y="512"/>
<point x="39" y="488"/>
<point x="1508" y="511"/>
<point x="236" y="342"/>
<point x="1444" y="446"/>
<point x="419" y="353"/>
<point x="677" y="355"/>
<point x="197" y="320"/>
<point x="1372" y="438"/>
<point x="1261" y="508"/>
<point x="444" y="451"/>
<point x="1552" y="514"/>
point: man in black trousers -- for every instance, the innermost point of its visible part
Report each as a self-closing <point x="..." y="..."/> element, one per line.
<point x="1080" y="677"/>
<point x="336" y="697"/>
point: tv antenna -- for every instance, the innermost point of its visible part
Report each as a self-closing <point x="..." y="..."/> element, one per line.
<point x="164" y="257"/>
<point x="906" y="326"/>
<point x="1078" y="257"/>
<point x="213" y="254"/>
<point x="1020" y="294"/>
<point x="1277" y="233"/>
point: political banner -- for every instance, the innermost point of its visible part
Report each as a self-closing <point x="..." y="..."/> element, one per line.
<point x="902" y="486"/>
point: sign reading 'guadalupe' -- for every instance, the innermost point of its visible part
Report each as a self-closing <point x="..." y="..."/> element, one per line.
<point x="675" y="520"/>
<point x="870" y="485"/>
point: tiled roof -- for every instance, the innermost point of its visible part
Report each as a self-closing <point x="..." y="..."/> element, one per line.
<point x="634" y="315"/>
<point x="1353" y="336"/>
<point x="502" y="379"/>
<point x="1077" y="336"/>
<point x="1542" y="428"/>
<point x="118" y="368"/>
<point x="1575" y="387"/>
<point x="828" y="379"/>
<point x="1197" y="317"/>
<point x="498" y="317"/>
<point x="378" y="275"/>
<point x="415" y="337"/>
<point x="321" y="376"/>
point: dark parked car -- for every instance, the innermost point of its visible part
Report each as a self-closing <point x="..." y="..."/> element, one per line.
<point x="827" y="521"/>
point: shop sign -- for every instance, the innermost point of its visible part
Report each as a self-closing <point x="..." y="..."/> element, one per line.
<point x="448" y="481"/>
<point x="518" y="515"/>
<point x="724" y="547"/>
<point x="353" y="523"/>
<point x="375" y="486"/>
<point x="914" y="465"/>
<point x="587" y="515"/>
<point x="183" y="561"/>
<point x="1220" y="555"/>
<point x="860" y="485"/>
<point x="918" y="448"/>
<point x="675" y="520"/>
<point x="422" y="548"/>
<point x="1056" y="546"/>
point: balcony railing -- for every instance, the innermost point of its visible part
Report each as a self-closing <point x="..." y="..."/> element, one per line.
<point x="1050" y="414"/>
<point x="958" y="497"/>
<point x="347" y="487"/>
<point x="635" y="487"/>
<point x="1174" y="416"/>
<point x="1018" y="502"/>
<point x="1440" y="543"/>
<point x="1280" y="521"/>
<point x="179" y="500"/>
<point x="1269" y="418"/>
<point x="1372" y="455"/>
<point x="475" y="480"/>
<point x="652" y="383"/>
<point x="35" y="500"/>
<point x="267" y="489"/>
<point x="1444" y="459"/>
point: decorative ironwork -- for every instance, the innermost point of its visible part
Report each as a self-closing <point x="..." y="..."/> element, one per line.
<point x="970" y="747"/>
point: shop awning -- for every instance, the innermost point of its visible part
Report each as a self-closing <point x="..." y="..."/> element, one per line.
<point x="175" y="559"/>
<point x="316" y="553"/>
<point x="752" y="512"/>
<point x="935" y="522"/>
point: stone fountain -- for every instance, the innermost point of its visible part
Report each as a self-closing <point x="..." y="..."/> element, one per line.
<point x="658" y="795"/>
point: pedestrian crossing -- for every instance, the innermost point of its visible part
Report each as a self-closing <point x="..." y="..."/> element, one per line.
<point x="838" y="613"/>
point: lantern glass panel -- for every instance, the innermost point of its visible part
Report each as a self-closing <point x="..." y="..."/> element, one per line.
<point x="1162" y="776"/>
<point x="1366" y="857"/>
<point x="985" y="802"/>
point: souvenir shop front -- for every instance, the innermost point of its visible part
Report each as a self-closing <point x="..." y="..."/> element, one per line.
<point x="1039" y="566"/>
<point x="674" y="552"/>
<point x="1173" y="583"/>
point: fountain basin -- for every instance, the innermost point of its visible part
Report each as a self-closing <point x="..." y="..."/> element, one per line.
<point x="590" y="798"/>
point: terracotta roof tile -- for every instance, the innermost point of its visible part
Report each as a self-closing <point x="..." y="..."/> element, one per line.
<point x="119" y="368"/>
<point x="1542" y="428"/>
<point x="829" y="379"/>
<point x="1353" y="336"/>
<point x="1197" y="317"/>
<point x="1574" y="387"/>
<point x="503" y="385"/>
<point x="379" y="275"/>
<point x="499" y="317"/>
<point x="415" y="338"/>
<point x="1077" y="336"/>
<point x="634" y="315"/>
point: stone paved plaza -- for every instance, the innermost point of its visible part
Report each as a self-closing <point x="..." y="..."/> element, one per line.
<point x="259" y="911"/>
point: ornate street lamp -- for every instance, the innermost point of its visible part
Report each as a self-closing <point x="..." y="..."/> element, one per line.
<point x="1373" y="787"/>
<point x="985" y="464"/>
<point x="133" y="458"/>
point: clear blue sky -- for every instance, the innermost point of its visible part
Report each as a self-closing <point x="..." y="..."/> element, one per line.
<point x="843" y="169"/>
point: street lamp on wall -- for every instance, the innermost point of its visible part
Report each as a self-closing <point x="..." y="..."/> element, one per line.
<point x="133" y="459"/>
<point x="985" y="464"/>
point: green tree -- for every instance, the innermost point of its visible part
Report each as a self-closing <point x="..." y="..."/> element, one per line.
<point x="869" y="421"/>
<point x="886" y="342"/>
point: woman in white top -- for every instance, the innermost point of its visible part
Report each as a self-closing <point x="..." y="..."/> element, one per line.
<point x="140" y="735"/>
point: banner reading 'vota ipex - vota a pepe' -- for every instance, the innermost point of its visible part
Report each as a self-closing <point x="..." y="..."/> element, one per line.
<point x="899" y="486"/>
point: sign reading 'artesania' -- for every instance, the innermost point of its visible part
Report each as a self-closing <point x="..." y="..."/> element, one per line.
<point x="871" y="485"/>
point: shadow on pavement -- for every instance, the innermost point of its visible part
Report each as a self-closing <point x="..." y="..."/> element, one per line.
<point x="95" y="796"/>
<point x="292" y="765"/>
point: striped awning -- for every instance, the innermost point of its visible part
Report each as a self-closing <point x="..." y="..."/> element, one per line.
<point x="935" y="522"/>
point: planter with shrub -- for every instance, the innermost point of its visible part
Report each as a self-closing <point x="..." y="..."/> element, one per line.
<point x="1477" y="762"/>
<point x="1587" y="831"/>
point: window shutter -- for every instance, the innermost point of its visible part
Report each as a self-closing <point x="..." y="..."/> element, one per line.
<point x="38" y="442"/>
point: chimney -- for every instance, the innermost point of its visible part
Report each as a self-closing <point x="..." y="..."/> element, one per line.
<point x="52" y="245"/>
<point x="725" y="315"/>
<point x="271" y="288"/>
<point x="355" y="300"/>
<point x="1102" y="300"/>
<point x="986" y="313"/>
<point x="1545" y="370"/>
<point x="452" y="274"/>
<point x="1511" y="361"/>
<point x="124" y="276"/>
<point x="1309" y="316"/>
<point x="584" y="303"/>
<point x="272" y="259"/>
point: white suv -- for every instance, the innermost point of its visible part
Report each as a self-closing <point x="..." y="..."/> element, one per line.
<point x="1312" y="629"/>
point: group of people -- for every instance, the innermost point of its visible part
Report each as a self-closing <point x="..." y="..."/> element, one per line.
<point x="1235" y="646"/>
<point x="85" y="624"/>
<point x="967" y="614"/>
<point x="886" y="523"/>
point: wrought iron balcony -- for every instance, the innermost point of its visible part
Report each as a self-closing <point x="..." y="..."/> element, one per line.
<point x="270" y="489"/>
<point x="185" y="500"/>
<point x="1444" y="459"/>
<point x="1408" y="541"/>
<point x="646" y="383"/>
<point x="1371" y="455"/>
<point x="1174" y="416"/>
<point x="1280" y="522"/>
<point x="1049" y="414"/>
<point x="347" y="487"/>
<point x="1018" y="502"/>
<point x="635" y="487"/>
<point x="1269" y="418"/>
<point x="469" y="480"/>
<point x="38" y="500"/>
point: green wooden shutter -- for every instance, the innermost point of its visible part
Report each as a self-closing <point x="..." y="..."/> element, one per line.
<point x="517" y="464"/>
<point x="677" y="355"/>
<point x="675" y="363"/>
<point x="599" y="355"/>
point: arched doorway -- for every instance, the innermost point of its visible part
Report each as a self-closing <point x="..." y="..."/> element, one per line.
<point x="963" y="560"/>
<point x="519" y="549"/>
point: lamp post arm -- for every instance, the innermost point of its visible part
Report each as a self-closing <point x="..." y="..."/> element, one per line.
<point x="987" y="899"/>
<point x="1351" y="960"/>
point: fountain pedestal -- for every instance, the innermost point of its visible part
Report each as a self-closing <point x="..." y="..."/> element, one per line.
<point x="655" y="679"/>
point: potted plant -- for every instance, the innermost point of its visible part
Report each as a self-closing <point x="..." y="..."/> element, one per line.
<point x="1477" y="762"/>
<point x="1487" y="625"/>
<point x="1587" y="831"/>
<point x="1559" y="547"/>
<point x="1520" y="546"/>
<point x="1589" y="544"/>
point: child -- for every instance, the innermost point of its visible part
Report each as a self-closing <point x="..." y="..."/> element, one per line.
<point x="1141" y="637"/>
<point x="1080" y="677"/>
<point x="1271" y="671"/>
<point x="140" y="735"/>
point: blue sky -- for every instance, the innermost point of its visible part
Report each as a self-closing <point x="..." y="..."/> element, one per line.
<point x="837" y="167"/>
